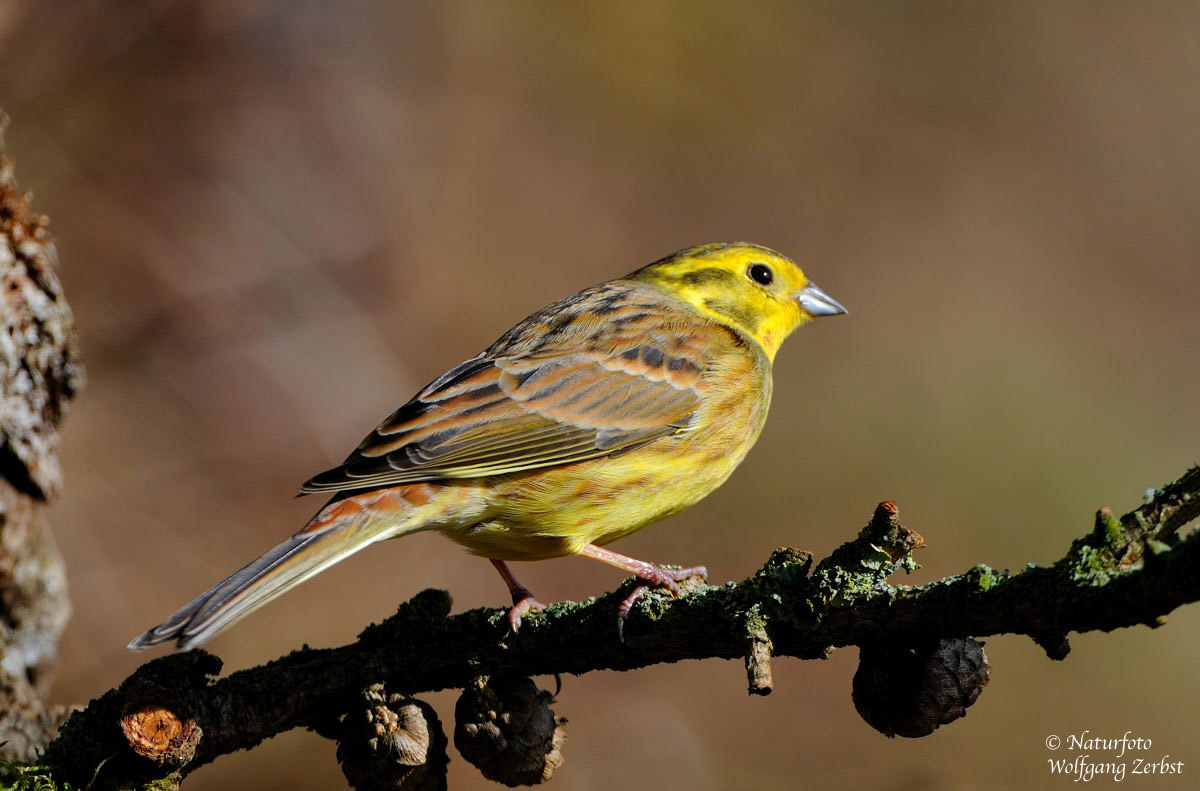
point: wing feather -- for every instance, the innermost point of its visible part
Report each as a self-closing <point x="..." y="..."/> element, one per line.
<point x="593" y="388"/>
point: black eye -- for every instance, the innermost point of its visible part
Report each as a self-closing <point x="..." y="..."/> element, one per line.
<point x="761" y="274"/>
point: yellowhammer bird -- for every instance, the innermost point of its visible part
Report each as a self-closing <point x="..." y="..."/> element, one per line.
<point x="592" y="418"/>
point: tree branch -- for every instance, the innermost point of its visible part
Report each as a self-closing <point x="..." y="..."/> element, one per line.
<point x="1127" y="571"/>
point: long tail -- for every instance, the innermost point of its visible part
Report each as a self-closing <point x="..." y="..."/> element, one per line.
<point x="341" y="528"/>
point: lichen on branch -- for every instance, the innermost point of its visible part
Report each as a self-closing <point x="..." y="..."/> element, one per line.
<point x="1124" y="572"/>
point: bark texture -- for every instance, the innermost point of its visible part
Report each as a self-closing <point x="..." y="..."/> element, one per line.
<point x="39" y="373"/>
<point x="1124" y="572"/>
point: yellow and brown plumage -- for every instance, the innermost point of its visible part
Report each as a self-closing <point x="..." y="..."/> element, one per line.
<point x="602" y="413"/>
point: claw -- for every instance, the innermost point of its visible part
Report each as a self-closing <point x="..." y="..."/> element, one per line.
<point x="659" y="577"/>
<point x="525" y="603"/>
<point x="626" y="606"/>
<point x="522" y="598"/>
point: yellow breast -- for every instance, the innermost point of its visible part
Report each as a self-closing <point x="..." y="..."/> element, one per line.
<point x="555" y="512"/>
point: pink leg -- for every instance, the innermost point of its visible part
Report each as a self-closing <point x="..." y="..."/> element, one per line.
<point x="522" y="598"/>
<point x="654" y="576"/>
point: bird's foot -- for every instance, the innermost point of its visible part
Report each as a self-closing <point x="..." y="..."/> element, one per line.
<point x="522" y="598"/>
<point x="523" y="602"/>
<point x="651" y="574"/>
<point x="655" y="577"/>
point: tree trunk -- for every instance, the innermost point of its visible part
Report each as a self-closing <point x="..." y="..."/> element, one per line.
<point x="39" y="373"/>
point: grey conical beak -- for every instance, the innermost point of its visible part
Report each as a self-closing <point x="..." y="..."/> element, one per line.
<point x="818" y="303"/>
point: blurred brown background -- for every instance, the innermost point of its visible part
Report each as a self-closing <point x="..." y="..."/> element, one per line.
<point x="278" y="219"/>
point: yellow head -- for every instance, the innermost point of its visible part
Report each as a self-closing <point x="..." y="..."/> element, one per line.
<point x="743" y="286"/>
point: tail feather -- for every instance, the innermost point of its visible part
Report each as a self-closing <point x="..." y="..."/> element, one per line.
<point x="334" y="534"/>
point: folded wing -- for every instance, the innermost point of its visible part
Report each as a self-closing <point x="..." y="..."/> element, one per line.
<point x="581" y="397"/>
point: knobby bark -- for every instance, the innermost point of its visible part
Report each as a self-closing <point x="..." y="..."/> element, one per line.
<point x="39" y="373"/>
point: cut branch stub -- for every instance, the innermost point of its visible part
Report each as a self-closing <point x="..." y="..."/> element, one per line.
<point x="758" y="665"/>
<point x="158" y="732"/>
<point x="758" y="654"/>
<point x="150" y="726"/>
